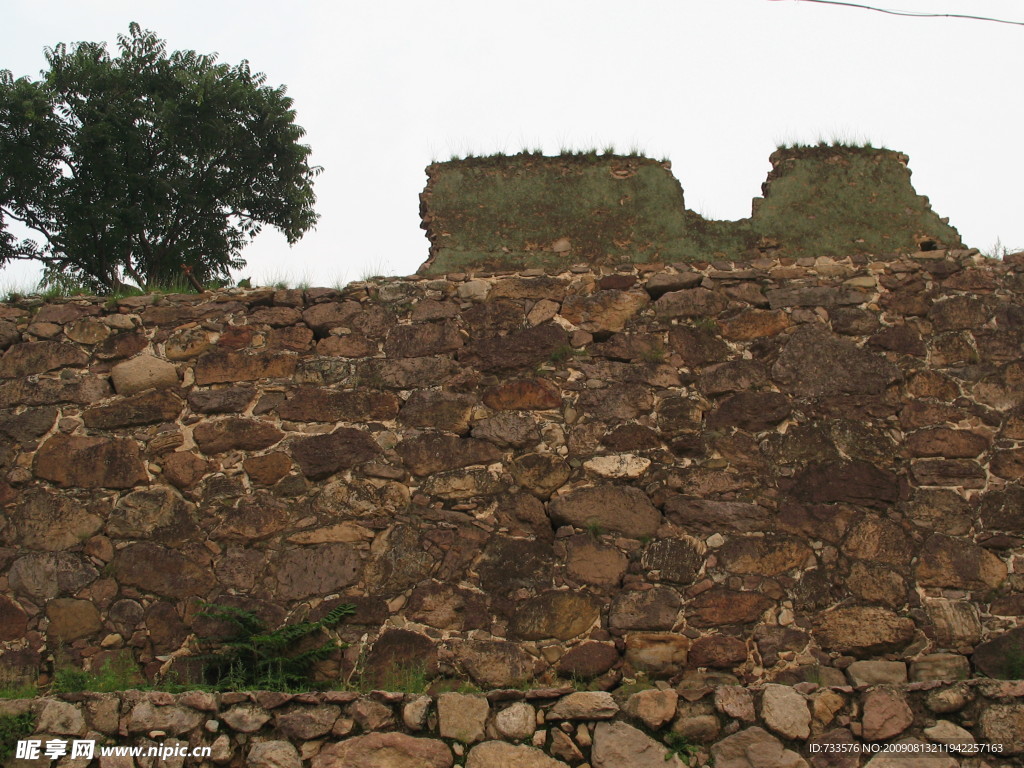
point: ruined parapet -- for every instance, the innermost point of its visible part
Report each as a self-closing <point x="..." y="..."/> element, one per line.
<point x="840" y="201"/>
<point x="528" y="211"/>
<point x="500" y="214"/>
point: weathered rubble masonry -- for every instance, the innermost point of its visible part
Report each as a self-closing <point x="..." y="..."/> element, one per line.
<point x="785" y="491"/>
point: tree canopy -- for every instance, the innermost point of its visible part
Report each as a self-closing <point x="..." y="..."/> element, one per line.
<point x="141" y="166"/>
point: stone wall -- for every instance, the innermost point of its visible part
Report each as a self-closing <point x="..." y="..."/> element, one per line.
<point x="939" y="725"/>
<point x="703" y="473"/>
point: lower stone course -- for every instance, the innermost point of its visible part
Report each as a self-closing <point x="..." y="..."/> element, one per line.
<point x="934" y="724"/>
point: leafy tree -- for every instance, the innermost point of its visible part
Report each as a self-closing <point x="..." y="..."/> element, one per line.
<point x="141" y="166"/>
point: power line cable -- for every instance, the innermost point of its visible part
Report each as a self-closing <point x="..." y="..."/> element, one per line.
<point x="916" y="14"/>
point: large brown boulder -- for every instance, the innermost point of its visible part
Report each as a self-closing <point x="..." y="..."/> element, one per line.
<point x="603" y="311"/>
<point x="719" y="607"/>
<point x="764" y="555"/>
<point x="853" y="482"/>
<point x="162" y="571"/>
<point x="949" y="562"/>
<point x="13" y="620"/>
<point x="1002" y="657"/>
<point x="156" y="513"/>
<point x="677" y="561"/>
<point x="352" y="405"/>
<point x="90" y="462"/>
<point x="71" y="619"/>
<point x="561" y="615"/>
<point x="863" y="630"/>
<point x="496" y="663"/>
<point x="517" y="350"/>
<point x="235" y="434"/>
<point x="152" y="407"/>
<point x="320" y="456"/>
<point x="142" y="373"/>
<point x="814" y="363"/>
<point x="228" y="366"/>
<point x="315" y="570"/>
<point x="617" y="508"/>
<point x="385" y="750"/>
<point x="435" y="452"/>
<point x="423" y="340"/>
<point x="437" y="409"/>
<point x="656" y="608"/>
<point x="45" y="520"/>
<point x="22" y="360"/>
<point x="523" y="394"/>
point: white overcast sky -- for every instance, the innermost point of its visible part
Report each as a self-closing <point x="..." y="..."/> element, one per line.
<point x="383" y="87"/>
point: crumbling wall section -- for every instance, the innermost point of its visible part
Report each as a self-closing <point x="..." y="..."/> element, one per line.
<point x="530" y="211"/>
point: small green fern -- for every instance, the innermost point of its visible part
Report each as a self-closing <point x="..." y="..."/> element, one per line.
<point x="679" y="746"/>
<point x="13" y="728"/>
<point x="254" y="658"/>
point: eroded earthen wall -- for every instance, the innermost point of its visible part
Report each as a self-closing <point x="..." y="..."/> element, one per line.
<point x="531" y="211"/>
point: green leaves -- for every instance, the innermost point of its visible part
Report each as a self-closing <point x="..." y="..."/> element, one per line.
<point x="131" y="167"/>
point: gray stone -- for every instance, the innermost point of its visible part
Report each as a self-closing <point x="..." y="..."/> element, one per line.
<point x="385" y="750"/>
<point x="492" y="754"/>
<point x="815" y="363"/>
<point x="517" y="721"/>
<point x="877" y="672"/>
<point x="462" y="716"/>
<point x="946" y="732"/>
<point x="414" y="713"/>
<point x="146" y="716"/>
<point x="940" y="666"/>
<point x="735" y="701"/>
<point x="273" y="754"/>
<point x="785" y="711"/>
<point x="1004" y="724"/>
<point x="897" y="760"/>
<point x="143" y="372"/>
<point x="754" y="748"/>
<point x="304" y="723"/>
<point x="584" y="705"/>
<point x="618" y="744"/>
<point x="652" y="707"/>
<point x="60" y="717"/>
<point x="613" y="508"/>
<point x="886" y="714"/>
<point x="246" y="718"/>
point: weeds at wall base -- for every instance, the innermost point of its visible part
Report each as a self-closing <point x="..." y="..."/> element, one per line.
<point x="14" y="728"/>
